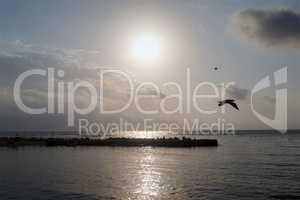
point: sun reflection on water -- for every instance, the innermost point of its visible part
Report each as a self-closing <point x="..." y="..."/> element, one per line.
<point x="149" y="179"/>
<point x="143" y="134"/>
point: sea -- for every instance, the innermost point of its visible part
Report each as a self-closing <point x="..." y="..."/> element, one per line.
<point x="247" y="166"/>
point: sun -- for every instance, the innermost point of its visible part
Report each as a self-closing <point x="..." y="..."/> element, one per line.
<point x="146" y="48"/>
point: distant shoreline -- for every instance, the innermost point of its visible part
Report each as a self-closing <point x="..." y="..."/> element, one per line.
<point x="125" y="142"/>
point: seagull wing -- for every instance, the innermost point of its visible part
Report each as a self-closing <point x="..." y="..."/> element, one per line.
<point x="234" y="105"/>
<point x="229" y="101"/>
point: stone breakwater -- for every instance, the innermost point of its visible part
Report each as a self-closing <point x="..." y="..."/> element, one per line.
<point x="126" y="142"/>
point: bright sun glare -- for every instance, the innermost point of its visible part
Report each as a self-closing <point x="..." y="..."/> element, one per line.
<point x="147" y="48"/>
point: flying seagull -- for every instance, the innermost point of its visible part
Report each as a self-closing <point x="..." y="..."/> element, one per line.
<point x="228" y="101"/>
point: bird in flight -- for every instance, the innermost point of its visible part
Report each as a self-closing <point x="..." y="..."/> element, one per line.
<point x="230" y="102"/>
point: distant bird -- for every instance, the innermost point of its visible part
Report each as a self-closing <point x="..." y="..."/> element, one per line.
<point x="216" y="68"/>
<point x="229" y="101"/>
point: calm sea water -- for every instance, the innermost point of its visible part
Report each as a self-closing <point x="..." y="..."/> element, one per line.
<point x="242" y="167"/>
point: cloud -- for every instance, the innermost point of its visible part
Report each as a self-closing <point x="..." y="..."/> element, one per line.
<point x="44" y="56"/>
<point x="151" y="92"/>
<point x="17" y="57"/>
<point x="269" y="99"/>
<point x="269" y="27"/>
<point x="234" y="91"/>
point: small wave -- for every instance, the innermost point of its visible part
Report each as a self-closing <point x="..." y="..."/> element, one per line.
<point x="282" y="164"/>
<point x="282" y="155"/>
<point x="290" y="146"/>
<point x="285" y="196"/>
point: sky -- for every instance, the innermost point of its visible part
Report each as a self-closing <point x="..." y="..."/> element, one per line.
<point x="246" y="40"/>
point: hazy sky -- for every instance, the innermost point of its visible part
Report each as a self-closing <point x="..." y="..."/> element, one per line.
<point x="247" y="40"/>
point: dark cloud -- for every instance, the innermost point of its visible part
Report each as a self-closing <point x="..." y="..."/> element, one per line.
<point x="270" y="27"/>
